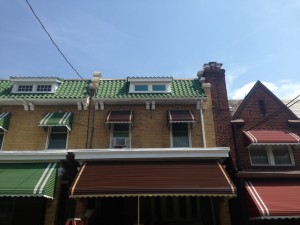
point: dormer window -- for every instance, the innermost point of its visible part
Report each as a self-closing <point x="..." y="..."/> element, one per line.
<point x="141" y="87"/>
<point x="35" y="84"/>
<point x="44" y="88"/>
<point x="25" y="88"/>
<point x="150" y="84"/>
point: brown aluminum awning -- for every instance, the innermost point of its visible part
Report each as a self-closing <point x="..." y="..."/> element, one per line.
<point x="271" y="137"/>
<point x="103" y="179"/>
<point x="273" y="198"/>
<point x="180" y="116"/>
<point x="119" y="117"/>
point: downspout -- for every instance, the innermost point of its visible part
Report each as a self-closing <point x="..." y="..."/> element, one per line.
<point x="202" y="123"/>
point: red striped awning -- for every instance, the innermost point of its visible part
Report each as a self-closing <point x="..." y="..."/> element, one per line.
<point x="268" y="137"/>
<point x="273" y="198"/>
<point x="103" y="179"/>
<point x="119" y="117"/>
<point x="180" y="116"/>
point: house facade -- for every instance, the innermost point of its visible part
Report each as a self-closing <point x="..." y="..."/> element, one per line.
<point x="139" y="150"/>
<point x="266" y="139"/>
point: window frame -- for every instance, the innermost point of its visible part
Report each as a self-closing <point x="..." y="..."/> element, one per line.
<point x="150" y="85"/>
<point x="112" y="129"/>
<point x="189" y="136"/>
<point x="270" y="156"/>
<point x="53" y="85"/>
<point x="2" y="134"/>
<point x="48" y="139"/>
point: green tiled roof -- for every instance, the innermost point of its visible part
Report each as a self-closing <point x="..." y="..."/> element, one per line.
<point x="115" y="88"/>
<point x="118" y="88"/>
<point x="69" y="89"/>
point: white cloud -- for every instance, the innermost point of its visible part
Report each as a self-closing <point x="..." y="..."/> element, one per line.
<point x="285" y="89"/>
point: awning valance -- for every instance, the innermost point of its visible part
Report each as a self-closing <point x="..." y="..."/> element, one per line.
<point x="103" y="179"/>
<point x="273" y="198"/>
<point x="119" y="117"/>
<point x="57" y="119"/>
<point x="4" y="120"/>
<point x="27" y="179"/>
<point x="271" y="137"/>
<point x="180" y="116"/>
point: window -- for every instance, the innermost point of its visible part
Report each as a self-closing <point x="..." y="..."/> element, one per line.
<point x="120" y="135"/>
<point x="141" y="88"/>
<point x="262" y="107"/>
<point x="180" y="135"/>
<point x="57" y="138"/>
<point x="44" y="88"/>
<point x="158" y="87"/>
<point x="269" y="155"/>
<point x="25" y="88"/>
<point x="1" y="138"/>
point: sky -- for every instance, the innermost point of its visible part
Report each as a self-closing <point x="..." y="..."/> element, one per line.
<point x="254" y="39"/>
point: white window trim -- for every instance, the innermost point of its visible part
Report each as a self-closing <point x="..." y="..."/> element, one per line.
<point x="54" y="86"/>
<point x="112" y="135"/>
<point x="189" y="133"/>
<point x="150" y="87"/>
<point x="2" y="132"/>
<point x="48" y="138"/>
<point x="270" y="157"/>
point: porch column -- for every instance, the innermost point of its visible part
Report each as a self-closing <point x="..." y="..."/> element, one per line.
<point x="224" y="213"/>
<point x="52" y="205"/>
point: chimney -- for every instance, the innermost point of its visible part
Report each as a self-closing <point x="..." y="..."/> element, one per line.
<point x="214" y="75"/>
<point x="95" y="80"/>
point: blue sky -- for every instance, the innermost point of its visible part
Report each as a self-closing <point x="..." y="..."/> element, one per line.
<point x="254" y="39"/>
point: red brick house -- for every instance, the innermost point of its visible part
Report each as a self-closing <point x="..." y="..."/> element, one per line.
<point x="266" y="142"/>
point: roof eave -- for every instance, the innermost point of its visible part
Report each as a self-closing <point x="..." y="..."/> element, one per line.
<point x="151" y="153"/>
<point x="29" y="156"/>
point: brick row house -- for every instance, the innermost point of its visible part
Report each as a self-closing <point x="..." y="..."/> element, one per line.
<point x="266" y="139"/>
<point x="139" y="150"/>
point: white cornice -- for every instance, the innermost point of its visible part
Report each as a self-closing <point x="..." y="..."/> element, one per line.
<point x="21" y="101"/>
<point x="34" y="156"/>
<point x="151" y="153"/>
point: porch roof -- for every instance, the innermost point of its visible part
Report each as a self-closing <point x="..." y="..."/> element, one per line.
<point x="120" y="179"/>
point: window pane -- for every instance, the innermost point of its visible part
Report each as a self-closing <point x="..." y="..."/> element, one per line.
<point x="180" y="135"/>
<point x="259" y="155"/>
<point x="141" y="87"/>
<point x="58" y="138"/>
<point x="158" y="87"/>
<point x="44" y="87"/>
<point x="25" y="88"/>
<point x="121" y="130"/>
<point x="281" y="155"/>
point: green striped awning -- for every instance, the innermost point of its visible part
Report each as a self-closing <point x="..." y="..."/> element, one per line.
<point x="4" y="120"/>
<point x="27" y="179"/>
<point x="57" y="119"/>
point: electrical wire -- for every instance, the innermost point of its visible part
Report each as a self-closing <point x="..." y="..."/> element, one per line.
<point x="288" y="105"/>
<point x="52" y="39"/>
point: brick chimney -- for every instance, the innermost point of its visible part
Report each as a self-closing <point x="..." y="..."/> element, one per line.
<point x="213" y="74"/>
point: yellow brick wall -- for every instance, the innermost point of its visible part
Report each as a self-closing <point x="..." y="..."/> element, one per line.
<point x="150" y="129"/>
<point x="224" y="213"/>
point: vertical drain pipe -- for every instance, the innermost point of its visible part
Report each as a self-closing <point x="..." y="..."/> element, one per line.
<point x="138" y="210"/>
<point x="202" y="122"/>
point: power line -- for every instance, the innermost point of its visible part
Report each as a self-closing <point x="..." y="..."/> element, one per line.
<point x="288" y="105"/>
<point x="52" y="39"/>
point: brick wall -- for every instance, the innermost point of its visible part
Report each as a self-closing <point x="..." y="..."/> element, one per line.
<point x="150" y="129"/>
<point x="252" y="116"/>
